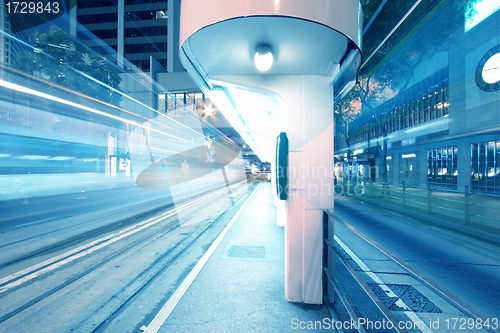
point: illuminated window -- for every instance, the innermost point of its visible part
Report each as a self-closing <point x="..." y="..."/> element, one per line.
<point x="485" y="165"/>
<point x="161" y="14"/>
<point x="442" y="167"/>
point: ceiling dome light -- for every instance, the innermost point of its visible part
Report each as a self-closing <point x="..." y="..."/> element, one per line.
<point x="263" y="58"/>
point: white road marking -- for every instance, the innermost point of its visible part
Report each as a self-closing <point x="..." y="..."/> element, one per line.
<point x="169" y="306"/>
<point x="30" y="223"/>
<point x="416" y="320"/>
<point x="83" y="250"/>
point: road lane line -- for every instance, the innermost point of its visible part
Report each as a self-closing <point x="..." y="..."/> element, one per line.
<point x="410" y="314"/>
<point x="169" y="306"/>
<point x="30" y="223"/>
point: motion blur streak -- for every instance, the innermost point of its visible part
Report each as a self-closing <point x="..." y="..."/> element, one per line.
<point x="16" y="87"/>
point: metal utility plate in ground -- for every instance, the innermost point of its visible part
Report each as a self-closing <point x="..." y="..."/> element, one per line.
<point x="414" y="299"/>
<point x="253" y="252"/>
<point x="247" y="251"/>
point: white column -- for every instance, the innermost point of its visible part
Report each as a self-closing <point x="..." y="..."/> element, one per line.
<point x="280" y="204"/>
<point x="309" y="102"/>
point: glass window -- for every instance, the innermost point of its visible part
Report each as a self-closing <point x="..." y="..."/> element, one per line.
<point x="146" y="31"/>
<point x="485" y="164"/>
<point x="424" y="101"/>
<point x="199" y="99"/>
<point x="442" y="167"/>
<point x="145" y="48"/>
<point x="98" y="18"/>
<point x="103" y="34"/>
<point x="161" y="14"/>
<point x="189" y="100"/>
<point x="170" y="103"/>
<point x="141" y="2"/>
<point x="96" y="3"/>
<point x="146" y="15"/>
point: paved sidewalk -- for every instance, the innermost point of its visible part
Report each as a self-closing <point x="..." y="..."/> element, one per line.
<point x="241" y="287"/>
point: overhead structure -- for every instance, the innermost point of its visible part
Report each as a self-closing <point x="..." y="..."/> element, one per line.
<point x="275" y="66"/>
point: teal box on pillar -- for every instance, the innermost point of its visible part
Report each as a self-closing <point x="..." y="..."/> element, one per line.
<point x="281" y="165"/>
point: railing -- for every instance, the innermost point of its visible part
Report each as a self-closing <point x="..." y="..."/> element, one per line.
<point x="369" y="305"/>
<point x="333" y="293"/>
<point x="465" y="207"/>
<point x="328" y="250"/>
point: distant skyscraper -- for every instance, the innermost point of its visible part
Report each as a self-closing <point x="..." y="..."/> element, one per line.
<point x="136" y="29"/>
<point x="4" y="41"/>
<point x="9" y="46"/>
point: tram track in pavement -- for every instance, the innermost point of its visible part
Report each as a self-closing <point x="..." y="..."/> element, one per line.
<point x="55" y="262"/>
<point x="133" y="288"/>
<point x="393" y="251"/>
<point x="76" y="239"/>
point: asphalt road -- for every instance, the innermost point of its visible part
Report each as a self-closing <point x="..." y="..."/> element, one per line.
<point x="114" y="281"/>
<point x="19" y="212"/>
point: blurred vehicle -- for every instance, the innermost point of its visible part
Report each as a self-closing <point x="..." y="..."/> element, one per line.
<point x="255" y="169"/>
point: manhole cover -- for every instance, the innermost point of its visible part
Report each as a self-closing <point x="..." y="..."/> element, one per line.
<point x="247" y="251"/>
<point x="414" y="299"/>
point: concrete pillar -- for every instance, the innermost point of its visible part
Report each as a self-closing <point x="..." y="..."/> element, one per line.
<point x="3" y="38"/>
<point x="121" y="32"/>
<point x="421" y="165"/>
<point x="309" y="103"/>
<point x="173" y="62"/>
<point x="280" y="204"/>
<point x="463" y="165"/>
<point x="73" y="18"/>
<point x="309" y="125"/>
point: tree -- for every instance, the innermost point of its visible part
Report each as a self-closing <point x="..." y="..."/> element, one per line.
<point x="59" y="59"/>
<point x="392" y="69"/>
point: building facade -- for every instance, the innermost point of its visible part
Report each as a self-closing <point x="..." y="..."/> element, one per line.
<point x="428" y="114"/>
<point x="9" y="47"/>
<point x="138" y="30"/>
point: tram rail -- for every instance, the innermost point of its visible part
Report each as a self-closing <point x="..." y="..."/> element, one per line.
<point x="100" y="253"/>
